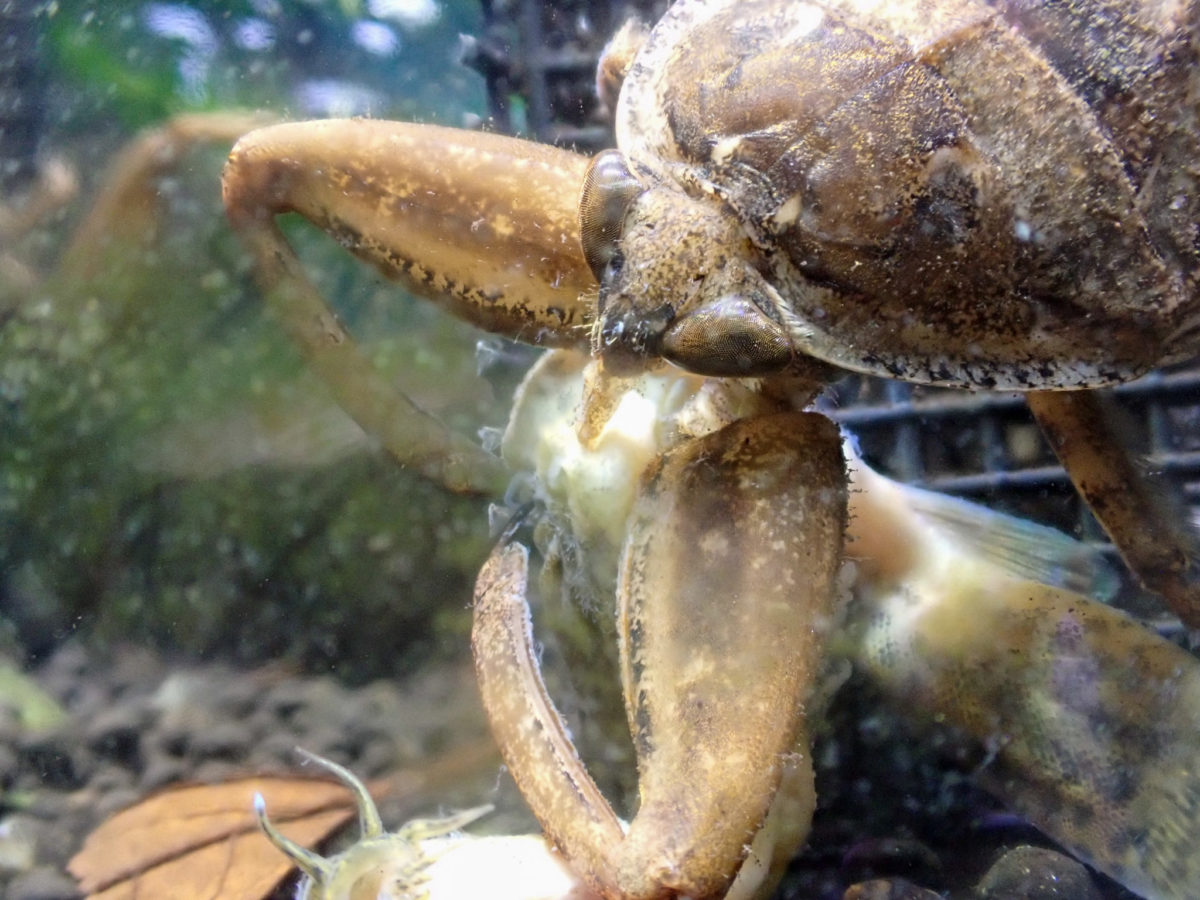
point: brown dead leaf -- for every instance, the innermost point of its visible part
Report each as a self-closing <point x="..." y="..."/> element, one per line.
<point x="202" y="842"/>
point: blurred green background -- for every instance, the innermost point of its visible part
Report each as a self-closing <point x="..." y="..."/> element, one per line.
<point x="169" y="471"/>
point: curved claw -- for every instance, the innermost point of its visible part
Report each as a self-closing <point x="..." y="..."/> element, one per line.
<point x="727" y="581"/>
<point x="484" y="224"/>
<point x="1151" y="536"/>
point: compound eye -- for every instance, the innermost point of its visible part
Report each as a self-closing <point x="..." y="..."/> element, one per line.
<point x="609" y="189"/>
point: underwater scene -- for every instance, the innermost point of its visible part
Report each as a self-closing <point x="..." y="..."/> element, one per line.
<point x="591" y="449"/>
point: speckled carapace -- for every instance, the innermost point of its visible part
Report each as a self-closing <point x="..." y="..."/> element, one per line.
<point x="987" y="195"/>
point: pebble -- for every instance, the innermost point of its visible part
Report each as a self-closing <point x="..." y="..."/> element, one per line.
<point x="42" y="883"/>
<point x="116" y="732"/>
<point x="226" y="740"/>
<point x="18" y="843"/>
<point x="1035" y="873"/>
<point x="9" y="765"/>
<point x="877" y="858"/>
<point x="240" y="696"/>
<point x="278" y="747"/>
<point x="113" y="801"/>
<point x="888" y="889"/>
<point x="160" y="770"/>
<point x="53" y="761"/>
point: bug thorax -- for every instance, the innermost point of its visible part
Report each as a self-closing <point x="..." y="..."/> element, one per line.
<point x="680" y="280"/>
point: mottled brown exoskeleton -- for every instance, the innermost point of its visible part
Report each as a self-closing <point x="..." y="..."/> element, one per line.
<point x="994" y="196"/>
<point x="915" y="190"/>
